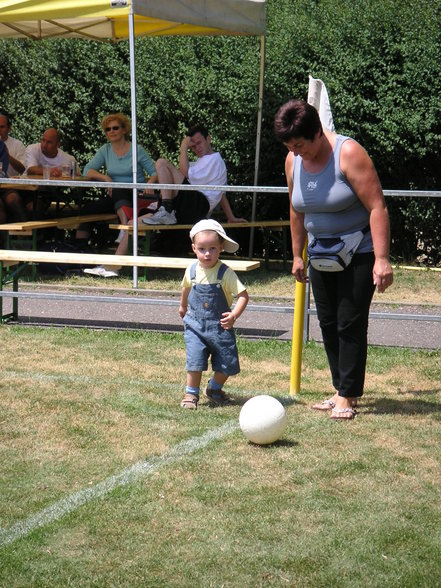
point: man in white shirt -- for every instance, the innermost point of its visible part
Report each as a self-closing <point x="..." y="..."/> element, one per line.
<point x="16" y="149"/>
<point x="190" y="206"/>
<point x="47" y="152"/>
<point x="11" y="201"/>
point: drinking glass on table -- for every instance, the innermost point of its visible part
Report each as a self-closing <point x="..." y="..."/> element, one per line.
<point x="65" y="170"/>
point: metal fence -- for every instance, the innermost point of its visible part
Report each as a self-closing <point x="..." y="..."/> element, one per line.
<point x="241" y="189"/>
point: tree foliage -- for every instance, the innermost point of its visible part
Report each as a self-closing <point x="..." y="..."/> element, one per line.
<point x="379" y="59"/>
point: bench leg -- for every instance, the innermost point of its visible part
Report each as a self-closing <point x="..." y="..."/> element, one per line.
<point x="3" y="276"/>
<point x="34" y="248"/>
<point x="15" y="300"/>
<point x="146" y="250"/>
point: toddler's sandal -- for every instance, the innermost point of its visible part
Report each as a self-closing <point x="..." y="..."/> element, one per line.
<point x="190" y="401"/>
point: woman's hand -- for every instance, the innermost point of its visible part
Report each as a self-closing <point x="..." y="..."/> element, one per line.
<point x="299" y="270"/>
<point x="382" y="274"/>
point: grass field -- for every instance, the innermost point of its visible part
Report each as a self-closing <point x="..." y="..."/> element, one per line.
<point x="105" y="481"/>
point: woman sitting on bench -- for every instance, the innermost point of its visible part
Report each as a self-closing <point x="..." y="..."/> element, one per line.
<point x="113" y="163"/>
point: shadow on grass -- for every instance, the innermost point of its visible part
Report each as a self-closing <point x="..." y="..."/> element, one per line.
<point x="405" y="406"/>
<point x="285" y="400"/>
<point x="171" y="327"/>
<point x="279" y="443"/>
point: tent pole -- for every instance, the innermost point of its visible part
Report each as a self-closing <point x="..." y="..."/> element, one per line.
<point x="134" y="137"/>
<point x="258" y="140"/>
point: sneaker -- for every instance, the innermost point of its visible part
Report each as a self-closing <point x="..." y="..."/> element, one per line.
<point x="120" y="236"/>
<point x="217" y="397"/>
<point x="101" y="272"/>
<point x="162" y="217"/>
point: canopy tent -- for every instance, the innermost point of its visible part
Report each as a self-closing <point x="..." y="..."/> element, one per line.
<point x="100" y="19"/>
<point x="122" y="19"/>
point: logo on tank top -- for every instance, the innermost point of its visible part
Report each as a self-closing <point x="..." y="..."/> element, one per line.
<point x="312" y="185"/>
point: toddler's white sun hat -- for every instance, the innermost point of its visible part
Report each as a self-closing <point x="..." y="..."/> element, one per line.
<point x="209" y="224"/>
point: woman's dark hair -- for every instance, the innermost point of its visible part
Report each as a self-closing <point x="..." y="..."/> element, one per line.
<point x="295" y="119"/>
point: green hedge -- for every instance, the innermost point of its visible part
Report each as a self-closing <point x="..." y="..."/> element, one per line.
<point x="378" y="58"/>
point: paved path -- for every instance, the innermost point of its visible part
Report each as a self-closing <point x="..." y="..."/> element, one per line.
<point x="259" y="321"/>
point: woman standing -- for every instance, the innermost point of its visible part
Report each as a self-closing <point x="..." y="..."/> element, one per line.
<point x="334" y="190"/>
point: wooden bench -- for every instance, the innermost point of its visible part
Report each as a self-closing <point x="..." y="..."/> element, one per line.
<point x="65" y="222"/>
<point x="266" y="225"/>
<point x="30" y="228"/>
<point x="20" y="258"/>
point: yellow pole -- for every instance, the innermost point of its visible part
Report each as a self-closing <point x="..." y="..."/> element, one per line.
<point x="297" y="334"/>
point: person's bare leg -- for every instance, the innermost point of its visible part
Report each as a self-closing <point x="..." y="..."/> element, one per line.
<point x="123" y="245"/>
<point x="122" y="216"/>
<point x="168" y="174"/>
<point x="14" y="206"/>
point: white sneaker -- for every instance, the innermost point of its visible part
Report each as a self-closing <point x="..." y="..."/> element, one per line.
<point x="101" y="272"/>
<point x="120" y="236"/>
<point x="162" y="217"/>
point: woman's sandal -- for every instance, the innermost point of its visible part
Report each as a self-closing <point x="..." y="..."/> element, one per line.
<point x="328" y="404"/>
<point x="343" y="413"/>
<point x="190" y="401"/>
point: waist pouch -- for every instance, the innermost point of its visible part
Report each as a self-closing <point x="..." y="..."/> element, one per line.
<point x="334" y="254"/>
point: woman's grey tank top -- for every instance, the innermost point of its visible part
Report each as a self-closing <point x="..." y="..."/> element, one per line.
<point x="328" y="201"/>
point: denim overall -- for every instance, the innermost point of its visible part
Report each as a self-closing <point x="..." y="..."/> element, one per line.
<point x="203" y="332"/>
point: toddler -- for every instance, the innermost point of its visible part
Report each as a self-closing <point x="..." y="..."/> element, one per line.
<point x="208" y="289"/>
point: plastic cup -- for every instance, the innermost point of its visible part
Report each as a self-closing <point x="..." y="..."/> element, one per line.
<point x="65" y="170"/>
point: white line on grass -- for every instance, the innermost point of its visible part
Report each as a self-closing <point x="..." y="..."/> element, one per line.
<point x="143" y="468"/>
<point x="124" y="381"/>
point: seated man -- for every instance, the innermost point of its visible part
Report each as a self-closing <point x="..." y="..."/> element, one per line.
<point x="188" y="207"/>
<point x="4" y="159"/>
<point x="46" y="153"/>
<point x="12" y="207"/>
<point x="182" y="206"/>
<point x="16" y="149"/>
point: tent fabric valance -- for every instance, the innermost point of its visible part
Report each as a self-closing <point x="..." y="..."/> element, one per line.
<point x="107" y="19"/>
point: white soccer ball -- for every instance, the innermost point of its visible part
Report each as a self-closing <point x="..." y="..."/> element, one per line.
<point x="262" y="419"/>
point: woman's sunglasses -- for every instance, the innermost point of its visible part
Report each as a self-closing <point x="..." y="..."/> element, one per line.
<point x="107" y="129"/>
